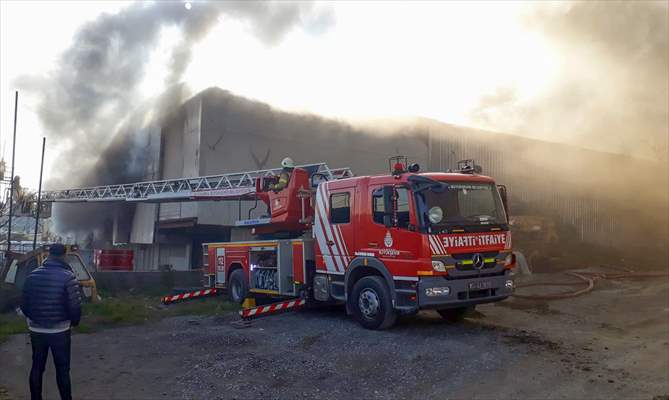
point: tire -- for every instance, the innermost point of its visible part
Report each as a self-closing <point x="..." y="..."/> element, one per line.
<point x="238" y="288"/>
<point x="455" y="314"/>
<point x="371" y="303"/>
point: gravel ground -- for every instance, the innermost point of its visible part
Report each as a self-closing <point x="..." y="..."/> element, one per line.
<point x="596" y="346"/>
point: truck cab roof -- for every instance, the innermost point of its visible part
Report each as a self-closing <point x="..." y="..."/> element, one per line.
<point x="403" y="178"/>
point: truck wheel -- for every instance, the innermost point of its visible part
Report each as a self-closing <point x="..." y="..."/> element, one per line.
<point x="371" y="303"/>
<point x="455" y="314"/>
<point x="238" y="289"/>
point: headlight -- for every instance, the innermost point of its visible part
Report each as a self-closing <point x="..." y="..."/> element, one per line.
<point x="437" y="291"/>
<point x="435" y="214"/>
<point x="438" y="266"/>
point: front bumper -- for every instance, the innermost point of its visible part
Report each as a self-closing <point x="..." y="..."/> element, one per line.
<point x="460" y="294"/>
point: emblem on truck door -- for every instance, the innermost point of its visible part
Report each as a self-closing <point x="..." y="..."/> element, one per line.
<point x="388" y="240"/>
<point x="478" y="261"/>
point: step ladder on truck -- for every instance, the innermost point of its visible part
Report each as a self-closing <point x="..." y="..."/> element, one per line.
<point x="382" y="245"/>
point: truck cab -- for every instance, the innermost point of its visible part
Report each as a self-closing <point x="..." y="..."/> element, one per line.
<point x="408" y="241"/>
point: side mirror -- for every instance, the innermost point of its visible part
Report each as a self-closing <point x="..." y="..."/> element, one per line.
<point x="388" y="205"/>
<point x="505" y="202"/>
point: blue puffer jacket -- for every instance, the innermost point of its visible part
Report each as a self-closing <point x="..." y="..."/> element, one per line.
<point x="51" y="294"/>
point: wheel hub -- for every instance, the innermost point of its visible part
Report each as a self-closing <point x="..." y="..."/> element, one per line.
<point x="368" y="302"/>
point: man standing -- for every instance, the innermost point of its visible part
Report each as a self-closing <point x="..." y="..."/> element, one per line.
<point x="52" y="304"/>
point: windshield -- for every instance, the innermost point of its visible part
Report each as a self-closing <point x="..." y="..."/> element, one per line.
<point x="77" y="267"/>
<point x="460" y="204"/>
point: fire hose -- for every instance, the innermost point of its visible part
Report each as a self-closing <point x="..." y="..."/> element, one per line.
<point x="585" y="278"/>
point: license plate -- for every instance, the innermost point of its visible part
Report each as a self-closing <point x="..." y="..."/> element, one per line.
<point x="480" y="285"/>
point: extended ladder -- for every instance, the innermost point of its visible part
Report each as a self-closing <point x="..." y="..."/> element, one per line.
<point x="236" y="185"/>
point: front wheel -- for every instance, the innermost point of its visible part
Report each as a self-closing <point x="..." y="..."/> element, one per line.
<point x="455" y="314"/>
<point x="238" y="289"/>
<point x="371" y="303"/>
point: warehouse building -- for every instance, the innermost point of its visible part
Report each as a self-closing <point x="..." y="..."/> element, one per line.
<point x="599" y="194"/>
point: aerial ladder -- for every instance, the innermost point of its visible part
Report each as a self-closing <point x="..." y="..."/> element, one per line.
<point x="228" y="186"/>
<point x="294" y="215"/>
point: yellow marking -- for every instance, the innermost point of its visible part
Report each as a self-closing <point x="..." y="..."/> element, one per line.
<point x="364" y="261"/>
<point x="489" y="260"/>
<point x="495" y="229"/>
<point x="249" y="302"/>
<point x="425" y="272"/>
<point x="458" y="230"/>
<point x="449" y="266"/>
<point x="297" y="282"/>
<point x="263" y="291"/>
<point x="466" y="262"/>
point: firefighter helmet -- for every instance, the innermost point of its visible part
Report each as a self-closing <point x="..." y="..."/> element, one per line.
<point x="288" y="163"/>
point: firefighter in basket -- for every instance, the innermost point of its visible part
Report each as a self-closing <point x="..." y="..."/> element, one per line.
<point x="284" y="177"/>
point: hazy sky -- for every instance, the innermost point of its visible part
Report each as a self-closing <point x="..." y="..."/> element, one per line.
<point x="492" y="65"/>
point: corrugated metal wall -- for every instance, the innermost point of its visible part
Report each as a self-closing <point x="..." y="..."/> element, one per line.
<point x="537" y="187"/>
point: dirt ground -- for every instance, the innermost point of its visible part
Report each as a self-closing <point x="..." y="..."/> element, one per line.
<point x="612" y="343"/>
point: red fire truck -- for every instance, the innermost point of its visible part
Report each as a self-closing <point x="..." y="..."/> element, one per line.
<point x="382" y="245"/>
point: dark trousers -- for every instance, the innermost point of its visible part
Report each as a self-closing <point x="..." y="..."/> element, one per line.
<point x="59" y="343"/>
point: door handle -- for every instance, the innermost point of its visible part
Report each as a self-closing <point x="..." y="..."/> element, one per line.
<point x="330" y="243"/>
<point x="373" y="244"/>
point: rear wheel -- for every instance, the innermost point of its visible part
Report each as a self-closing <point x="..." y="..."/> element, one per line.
<point x="455" y="314"/>
<point x="238" y="289"/>
<point x="371" y="303"/>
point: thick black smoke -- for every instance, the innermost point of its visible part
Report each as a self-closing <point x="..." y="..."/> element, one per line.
<point x="612" y="91"/>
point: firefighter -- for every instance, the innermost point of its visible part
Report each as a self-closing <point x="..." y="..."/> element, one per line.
<point x="284" y="177"/>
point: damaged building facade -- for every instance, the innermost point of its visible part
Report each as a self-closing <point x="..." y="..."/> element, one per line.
<point x="600" y="195"/>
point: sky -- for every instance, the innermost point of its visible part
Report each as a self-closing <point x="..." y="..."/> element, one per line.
<point x="517" y="67"/>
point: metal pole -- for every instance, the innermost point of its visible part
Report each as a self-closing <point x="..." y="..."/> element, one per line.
<point x="39" y="195"/>
<point x="11" y="183"/>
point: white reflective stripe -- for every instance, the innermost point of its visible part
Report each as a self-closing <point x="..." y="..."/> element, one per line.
<point x="292" y="303"/>
<point x="433" y="246"/>
<point x="347" y="257"/>
<point x="186" y="295"/>
<point x="335" y="250"/>
<point x="253" y="311"/>
<point x="302" y="302"/>
<point x="405" y="278"/>
<point x="319" y="231"/>
<point x="440" y="245"/>
<point x="326" y="226"/>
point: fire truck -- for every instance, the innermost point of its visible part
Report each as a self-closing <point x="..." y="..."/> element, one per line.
<point x="382" y="245"/>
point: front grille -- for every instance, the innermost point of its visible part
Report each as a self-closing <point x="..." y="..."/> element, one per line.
<point x="460" y="259"/>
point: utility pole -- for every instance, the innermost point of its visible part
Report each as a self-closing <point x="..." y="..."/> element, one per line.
<point x="39" y="195"/>
<point x="11" y="183"/>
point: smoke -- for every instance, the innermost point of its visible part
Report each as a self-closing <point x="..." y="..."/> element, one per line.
<point x="88" y="97"/>
<point x="91" y="107"/>
<point x="612" y="89"/>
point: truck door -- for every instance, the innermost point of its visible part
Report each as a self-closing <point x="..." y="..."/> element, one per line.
<point x="397" y="246"/>
<point x="333" y="228"/>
